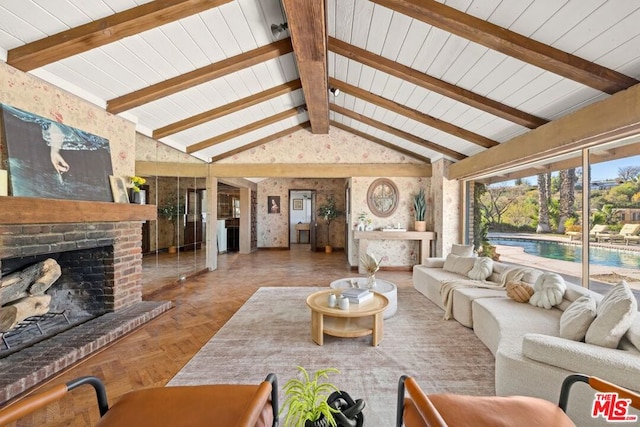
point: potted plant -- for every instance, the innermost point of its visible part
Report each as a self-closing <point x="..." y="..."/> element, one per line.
<point x="306" y="400"/>
<point x="420" y="207"/>
<point x="171" y="211"/>
<point x="329" y="212"/>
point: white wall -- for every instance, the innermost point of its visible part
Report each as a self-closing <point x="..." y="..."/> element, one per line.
<point x="299" y="216"/>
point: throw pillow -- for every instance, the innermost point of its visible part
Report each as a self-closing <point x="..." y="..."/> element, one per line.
<point x="482" y="268"/>
<point x="450" y="262"/>
<point x="519" y="291"/>
<point x="548" y="290"/>
<point x="577" y="318"/>
<point x="614" y="316"/>
<point x="462" y="250"/>
<point x="458" y="264"/>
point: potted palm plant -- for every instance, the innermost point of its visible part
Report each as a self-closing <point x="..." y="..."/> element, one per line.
<point x="420" y="207"/>
<point x="329" y="212"/>
<point x="306" y="400"/>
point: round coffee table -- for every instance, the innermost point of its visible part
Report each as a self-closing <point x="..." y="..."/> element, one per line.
<point x="384" y="287"/>
<point x="357" y="321"/>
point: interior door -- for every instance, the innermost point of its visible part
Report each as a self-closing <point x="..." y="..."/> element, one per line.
<point x="313" y="226"/>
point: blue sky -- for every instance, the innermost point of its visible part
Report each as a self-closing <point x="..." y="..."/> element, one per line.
<point x="609" y="170"/>
<point x="599" y="171"/>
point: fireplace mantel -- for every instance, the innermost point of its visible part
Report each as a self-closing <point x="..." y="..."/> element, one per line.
<point x="31" y="210"/>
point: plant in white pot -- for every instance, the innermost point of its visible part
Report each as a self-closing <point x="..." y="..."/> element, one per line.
<point x="329" y="211"/>
<point x="306" y="400"/>
<point x="420" y="208"/>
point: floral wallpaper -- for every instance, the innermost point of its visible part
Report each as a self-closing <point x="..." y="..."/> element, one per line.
<point x="337" y="146"/>
<point x="396" y="252"/>
<point x="273" y="229"/>
<point x="445" y="194"/>
<point x="36" y="96"/>
<point x="150" y="150"/>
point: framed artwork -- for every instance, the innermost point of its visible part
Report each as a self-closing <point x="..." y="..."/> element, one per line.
<point x="297" y="204"/>
<point x="53" y="160"/>
<point x="119" y="189"/>
<point x="273" y="204"/>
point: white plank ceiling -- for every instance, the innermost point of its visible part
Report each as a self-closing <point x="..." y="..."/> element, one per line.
<point x="599" y="31"/>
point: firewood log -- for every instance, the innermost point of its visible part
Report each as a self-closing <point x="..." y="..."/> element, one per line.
<point x="16" y="312"/>
<point x="33" y="280"/>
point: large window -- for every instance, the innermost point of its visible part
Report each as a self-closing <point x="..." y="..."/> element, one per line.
<point x="557" y="213"/>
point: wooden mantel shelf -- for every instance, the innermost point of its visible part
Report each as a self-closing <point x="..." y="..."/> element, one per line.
<point x="31" y="210"/>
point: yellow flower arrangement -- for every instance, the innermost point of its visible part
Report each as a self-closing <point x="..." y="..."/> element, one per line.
<point x="137" y="182"/>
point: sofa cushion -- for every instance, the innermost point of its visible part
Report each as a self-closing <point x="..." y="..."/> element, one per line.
<point x="548" y="290"/>
<point x="519" y="291"/>
<point x="577" y="318"/>
<point x="482" y="268"/>
<point x="633" y="334"/>
<point x="458" y="264"/>
<point x="614" y="316"/>
<point x="462" y="250"/>
<point x="617" y="366"/>
<point x="434" y="262"/>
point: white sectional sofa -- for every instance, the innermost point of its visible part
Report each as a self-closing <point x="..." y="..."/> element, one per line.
<point x="531" y="358"/>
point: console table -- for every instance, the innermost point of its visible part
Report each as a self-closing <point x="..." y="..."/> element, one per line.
<point x="302" y="227"/>
<point x="425" y="238"/>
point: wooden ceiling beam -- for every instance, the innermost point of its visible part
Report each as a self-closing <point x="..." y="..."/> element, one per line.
<point x="104" y="31"/>
<point x="394" y="131"/>
<point x="199" y="76"/>
<point x="226" y="109"/>
<point x="413" y="114"/>
<point x="319" y="170"/>
<point x="261" y="141"/>
<point x="512" y="44"/>
<point x="379" y="141"/>
<point x="241" y="131"/>
<point x="436" y="85"/>
<point x="307" y="25"/>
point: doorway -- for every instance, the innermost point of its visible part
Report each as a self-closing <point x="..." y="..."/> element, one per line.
<point x="301" y="217"/>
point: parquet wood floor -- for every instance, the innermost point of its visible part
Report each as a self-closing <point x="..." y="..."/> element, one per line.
<point x="154" y="353"/>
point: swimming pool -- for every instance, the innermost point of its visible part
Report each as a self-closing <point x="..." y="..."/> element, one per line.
<point x="568" y="252"/>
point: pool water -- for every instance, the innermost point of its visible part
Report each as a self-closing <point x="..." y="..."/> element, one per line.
<point x="557" y="250"/>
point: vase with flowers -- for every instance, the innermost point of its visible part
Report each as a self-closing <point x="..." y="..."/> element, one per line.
<point x="371" y="266"/>
<point x="136" y="193"/>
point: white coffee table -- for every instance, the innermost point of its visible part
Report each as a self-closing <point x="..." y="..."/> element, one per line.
<point x="384" y="287"/>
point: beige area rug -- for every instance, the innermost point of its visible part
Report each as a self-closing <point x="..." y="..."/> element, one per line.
<point x="271" y="333"/>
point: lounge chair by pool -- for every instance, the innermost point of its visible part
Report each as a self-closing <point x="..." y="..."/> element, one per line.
<point x="627" y="230"/>
<point x="593" y="233"/>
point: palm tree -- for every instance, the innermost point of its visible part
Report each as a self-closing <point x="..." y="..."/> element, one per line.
<point x="567" y="197"/>
<point x="543" y="203"/>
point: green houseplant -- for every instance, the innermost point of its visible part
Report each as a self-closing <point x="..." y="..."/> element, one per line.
<point x="329" y="211"/>
<point x="420" y="208"/>
<point x="171" y="211"/>
<point x="306" y="399"/>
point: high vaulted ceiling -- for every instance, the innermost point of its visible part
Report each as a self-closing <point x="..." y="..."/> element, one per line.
<point x="428" y="78"/>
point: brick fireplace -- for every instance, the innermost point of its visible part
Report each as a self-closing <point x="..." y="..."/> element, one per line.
<point x="99" y="248"/>
<point x="122" y="285"/>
